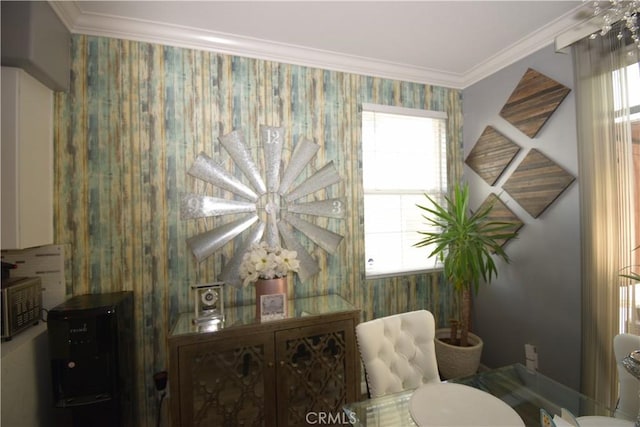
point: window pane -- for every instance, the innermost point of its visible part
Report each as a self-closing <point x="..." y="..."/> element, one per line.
<point x="404" y="156"/>
<point x="632" y="76"/>
<point x="417" y="258"/>
<point x="402" y="152"/>
<point x="382" y="253"/>
<point x="383" y="213"/>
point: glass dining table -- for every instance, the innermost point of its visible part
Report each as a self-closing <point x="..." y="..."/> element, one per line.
<point x="524" y="390"/>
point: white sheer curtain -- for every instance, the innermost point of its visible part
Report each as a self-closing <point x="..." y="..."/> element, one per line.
<point x="607" y="201"/>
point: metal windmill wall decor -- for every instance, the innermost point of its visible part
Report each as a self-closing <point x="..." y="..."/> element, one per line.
<point x="269" y="206"/>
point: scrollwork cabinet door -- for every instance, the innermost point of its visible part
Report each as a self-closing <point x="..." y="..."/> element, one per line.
<point x="316" y="372"/>
<point x="228" y="382"/>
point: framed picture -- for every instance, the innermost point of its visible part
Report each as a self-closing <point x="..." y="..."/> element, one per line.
<point x="273" y="307"/>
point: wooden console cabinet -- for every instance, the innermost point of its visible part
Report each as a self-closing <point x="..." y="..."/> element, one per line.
<point x="276" y="373"/>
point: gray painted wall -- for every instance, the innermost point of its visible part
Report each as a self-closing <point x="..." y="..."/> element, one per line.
<point x="536" y="298"/>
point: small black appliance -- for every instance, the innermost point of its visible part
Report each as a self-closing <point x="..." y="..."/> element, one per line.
<point x="92" y="354"/>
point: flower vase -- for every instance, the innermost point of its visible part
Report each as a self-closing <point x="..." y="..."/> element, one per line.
<point x="275" y="307"/>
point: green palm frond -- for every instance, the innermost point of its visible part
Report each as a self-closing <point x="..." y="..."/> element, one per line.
<point x="633" y="275"/>
<point x="464" y="241"/>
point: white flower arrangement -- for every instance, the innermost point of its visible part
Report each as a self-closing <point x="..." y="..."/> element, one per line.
<point x="265" y="262"/>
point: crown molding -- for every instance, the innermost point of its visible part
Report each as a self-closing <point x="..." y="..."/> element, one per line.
<point x="522" y="48"/>
<point x="578" y="32"/>
<point x="194" y="38"/>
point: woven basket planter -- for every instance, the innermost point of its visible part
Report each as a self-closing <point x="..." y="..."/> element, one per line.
<point x="455" y="361"/>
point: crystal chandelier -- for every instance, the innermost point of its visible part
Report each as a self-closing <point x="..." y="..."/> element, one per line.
<point x="616" y="10"/>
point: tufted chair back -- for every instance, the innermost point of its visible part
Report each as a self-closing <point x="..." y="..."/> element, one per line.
<point x="398" y="352"/>
<point x="629" y="386"/>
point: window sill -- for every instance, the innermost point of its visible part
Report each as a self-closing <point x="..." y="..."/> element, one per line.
<point x="375" y="276"/>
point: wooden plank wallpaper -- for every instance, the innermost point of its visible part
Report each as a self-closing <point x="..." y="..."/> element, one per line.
<point x="133" y="121"/>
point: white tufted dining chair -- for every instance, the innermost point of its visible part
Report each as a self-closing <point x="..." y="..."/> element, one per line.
<point x="629" y="386"/>
<point x="398" y="352"/>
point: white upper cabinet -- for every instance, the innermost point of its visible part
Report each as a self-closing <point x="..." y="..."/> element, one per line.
<point x="27" y="161"/>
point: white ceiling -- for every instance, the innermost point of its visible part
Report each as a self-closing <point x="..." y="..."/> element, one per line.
<point x="448" y="43"/>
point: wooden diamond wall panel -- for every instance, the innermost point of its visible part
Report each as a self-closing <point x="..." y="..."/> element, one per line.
<point x="491" y="155"/>
<point x="537" y="182"/>
<point x="533" y="101"/>
<point x="502" y="213"/>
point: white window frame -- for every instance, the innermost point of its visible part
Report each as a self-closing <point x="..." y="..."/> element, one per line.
<point x="377" y="230"/>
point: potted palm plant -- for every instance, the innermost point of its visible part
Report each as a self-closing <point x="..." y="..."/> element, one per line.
<point x="466" y="243"/>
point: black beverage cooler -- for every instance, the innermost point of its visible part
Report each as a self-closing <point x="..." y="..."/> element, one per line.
<point x="92" y="356"/>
